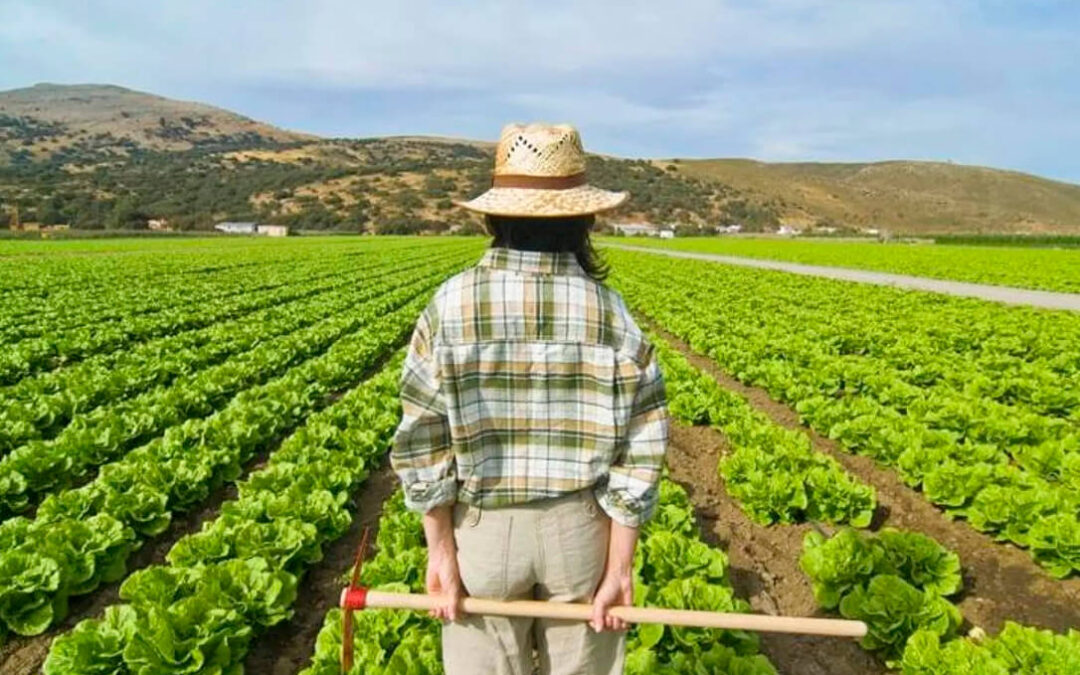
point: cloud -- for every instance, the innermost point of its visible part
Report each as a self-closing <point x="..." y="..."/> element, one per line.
<point x="778" y="79"/>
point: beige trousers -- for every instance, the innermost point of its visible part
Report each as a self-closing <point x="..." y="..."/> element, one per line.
<point x="548" y="550"/>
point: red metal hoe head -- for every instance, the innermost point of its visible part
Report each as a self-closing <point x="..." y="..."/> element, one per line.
<point x="353" y="597"/>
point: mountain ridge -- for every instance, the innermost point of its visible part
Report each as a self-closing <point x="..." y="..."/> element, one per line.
<point x="85" y="141"/>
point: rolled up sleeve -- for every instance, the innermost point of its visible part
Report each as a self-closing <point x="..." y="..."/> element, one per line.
<point x="630" y="494"/>
<point x="421" y="455"/>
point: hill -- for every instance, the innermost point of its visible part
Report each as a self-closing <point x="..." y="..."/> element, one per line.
<point x="46" y="119"/>
<point x="902" y="196"/>
<point x="104" y="156"/>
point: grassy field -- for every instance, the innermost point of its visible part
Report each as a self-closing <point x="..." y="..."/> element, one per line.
<point x="1046" y="269"/>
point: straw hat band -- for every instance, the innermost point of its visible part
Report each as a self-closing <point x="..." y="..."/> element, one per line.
<point x="538" y="182"/>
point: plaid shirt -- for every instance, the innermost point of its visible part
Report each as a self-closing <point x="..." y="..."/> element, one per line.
<point x="526" y="379"/>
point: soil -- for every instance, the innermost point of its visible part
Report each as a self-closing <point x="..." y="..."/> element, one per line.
<point x="287" y="648"/>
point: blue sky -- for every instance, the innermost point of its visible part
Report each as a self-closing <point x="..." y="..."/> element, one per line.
<point x="994" y="82"/>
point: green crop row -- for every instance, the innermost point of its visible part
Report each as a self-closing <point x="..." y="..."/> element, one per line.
<point x="81" y="538"/>
<point x="72" y="395"/>
<point x="34" y="355"/>
<point x="52" y="311"/>
<point x="108" y="432"/>
<point x="239" y="575"/>
<point x="849" y="357"/>
<point x="774" y="473"/>
<point x="37" y="354"/>
<point x="984" y="360"/>
<point x="65" y="289"/>
<point x="898" y="582"/>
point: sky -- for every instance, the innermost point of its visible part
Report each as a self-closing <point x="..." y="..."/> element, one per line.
<point x="991" y="82"/>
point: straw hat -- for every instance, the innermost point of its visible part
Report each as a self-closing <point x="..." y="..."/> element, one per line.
<point x="540" y="172"/>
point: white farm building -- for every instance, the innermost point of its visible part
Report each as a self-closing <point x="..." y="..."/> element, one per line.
<point x="643" y="230"/>
<point x="237" y="227"/>
<point x="231" y="227"/>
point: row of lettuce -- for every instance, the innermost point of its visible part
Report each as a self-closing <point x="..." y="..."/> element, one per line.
<point x="40" y="404"/>
<point x="127" y="296"/>
<point x="80" y="538"/>
<point x="57" y="290"/>
<point x="198" y="612"/>
<point x="250" y="353"/>
<point x="56" y="348"/>
<point x="973" y="403"/>
<point x="898" y="583"/>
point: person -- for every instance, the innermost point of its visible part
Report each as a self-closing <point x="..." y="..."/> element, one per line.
<point x="534" y="423"/>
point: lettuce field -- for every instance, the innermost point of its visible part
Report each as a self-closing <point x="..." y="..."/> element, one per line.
<point x="194" y="432"/>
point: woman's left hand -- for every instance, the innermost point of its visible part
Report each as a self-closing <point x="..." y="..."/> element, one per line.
<point x="616" y="588"/>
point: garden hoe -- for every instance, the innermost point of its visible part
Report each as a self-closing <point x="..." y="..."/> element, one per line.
<point x="357" y="597"/>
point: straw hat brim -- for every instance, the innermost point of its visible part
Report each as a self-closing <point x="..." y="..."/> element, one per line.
<point x="526" y="202"/>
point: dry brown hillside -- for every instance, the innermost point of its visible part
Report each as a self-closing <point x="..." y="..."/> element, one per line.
<point x="45" y="118"/>
<point x="105" y="156"/>
<point x="903" y="196"/>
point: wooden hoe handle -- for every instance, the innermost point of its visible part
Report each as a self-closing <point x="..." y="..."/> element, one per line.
<point x="356" y="597"/>
<point x="582" y="612"/>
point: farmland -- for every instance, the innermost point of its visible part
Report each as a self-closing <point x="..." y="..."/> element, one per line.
<point x="1044" y="269"/>
<point x="193" y="431"/>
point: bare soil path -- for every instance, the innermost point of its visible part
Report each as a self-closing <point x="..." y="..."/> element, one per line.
<point x="1004" y="294"/>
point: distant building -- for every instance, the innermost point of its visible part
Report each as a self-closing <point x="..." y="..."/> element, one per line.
<point x="158" y="225"/>
<point x="47" y="231"/>
<point x="788" y="230"/>
<point x="237" y="228"/>
<point x="273" y="230"/>
<point x="666" y="234"/>
<point x="729" y="229"/>
<point x="635" y="229"/>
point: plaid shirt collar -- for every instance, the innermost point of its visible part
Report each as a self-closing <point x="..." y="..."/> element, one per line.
<point x="531" y="262"/>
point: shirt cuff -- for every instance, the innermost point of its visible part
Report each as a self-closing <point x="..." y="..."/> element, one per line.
<point x="422" y="496"/>
<point x="626" y="509"/>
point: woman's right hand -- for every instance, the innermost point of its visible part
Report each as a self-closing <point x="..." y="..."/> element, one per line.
<point x="617" y="585"/>
<point x="443" y="577"/>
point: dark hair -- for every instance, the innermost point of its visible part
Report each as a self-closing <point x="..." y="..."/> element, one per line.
<point x="552" y="235"/>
